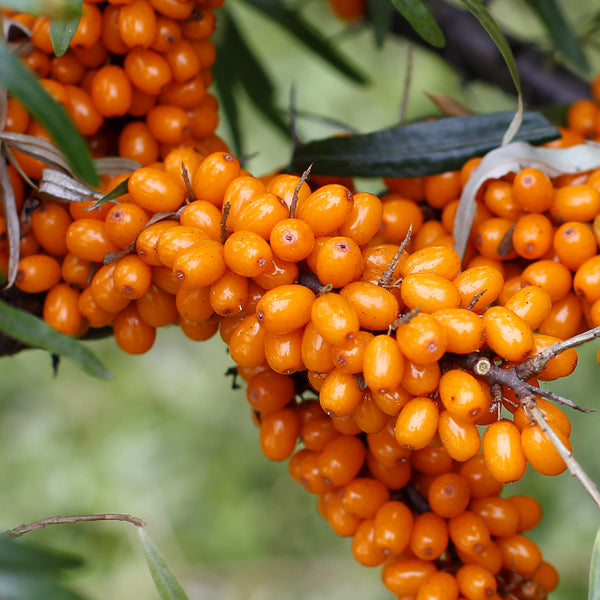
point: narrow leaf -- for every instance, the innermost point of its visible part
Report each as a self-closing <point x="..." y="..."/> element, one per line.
<point x="381" y="15"/>
<point x="421" y="20"/>
<point x="22" y="84"/>
<point x="59" y="9"/>
<point x="63" y="30"/>
<point x="59" y="187"/>
<point x="311" y="38"/>
<point x="561" y="33"/>
<point x="166" y="584"/>
<point x="594" y="586"/>
<point x="27" y="585"/>
<point x="416" y="149"/>
<point x="11" y="216"/>
<point x="16" y="555"/>
<point x="115" y="165"/>
<point x="449" y="106"/>
<point x="512" y="159"/>
<point x="118" y="191"/>
<point x="33" y="331"/>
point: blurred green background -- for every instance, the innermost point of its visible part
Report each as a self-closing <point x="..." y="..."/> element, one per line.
<point x="169" y="441"/>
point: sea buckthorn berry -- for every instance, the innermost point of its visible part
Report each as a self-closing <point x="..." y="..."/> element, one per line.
<point x="292" y="239"/>
<point x="384" y="447"/>
<point x="132" y="276"/>
<point x="428" y="234"/>
<point x="157" y="307"/>
<point x="564" y="318"/>
<point x="89" y="28"/>
<point x="392" y="401"/>
<point x="368" y="416"/>
<point x="202" y="215"/>
<point x="408" y="187"/>
<point x="283" y="351"/>
<point x="422" y="340"/>
<point x="586" y="282"/>
<point x="420" y="379"/>
<point x="344" y="425"/>
<point x="339" y="262"/>
<point x="262" y="214"/>
<point x="147" y="240"/>
<point x="123" y="223"/>
<point x="540" y="451"/>
<point x="341" y="460"/>
<point x="432" y="460"/>
<point x="247" y="344"/>
<point x="364" y="549"/>
<point x="393" y="525"/>
<point x="187" y="160"/>
<point x="310" y="479"/>
<point x="284" y="186"/>
<point x="581" y="116"/>
<point x="364" y="220"/>
<point x="147" y="70"/>
<point x="485" y="282"/>
<point x="213" y="176"/>
<point x="137" y="143"/>
<point x="316" y="352"/>
<point x="167" y="124"/>
<point x="111" y="91"/>
<point x="399" y="215"/>
<point x="326" y="209"/>
<point x="137" y="24"/>
<point x="247" y="254"/>
<point x="17" y="117"/>
<point x="479" y="478"/>
<point x="440" y="586"/>
<point x="491" y="239"/>
<point x="393" y="477"/>
<point x="183" y="60"/>
<point x="553" y="276"/>
<point x="448" y="495"/>
<point x="428" y="292"/>
<point x="500" y="515"/>
<point x="334" y="319"/>
<point x="532" y="304"/>
<point x="91" y="312"/>
<point x="155" y="190"/>
<point x="547" y="576"/>
<point x="383" y="363"/>
<point x="88" y="239"/>
<point x="530" y="511"/>
<point x="364" y="496"/>
<point x="464" y="329"/>
<point x="194" y="304"/>
<point x="519" y="554"/>
<point x="442" y="188"/>
<point x="76" y="271"/>
<point x="66" y="69"/>
<point x="417" y="423"/>
<point x="553" y="415"/>
<point x="199" y="332"/>
<point x="533" y="190"/>
<point x="316" y="434"/>
<point x="559" y="366"/>
<point x="279" y="433"/>
<point x="376" y="307"/>
<point x="200" y="265"/>
<point x="104" y="290"/>
<point x="429" y="536"/>
<point x="50" y="222"/>
<point x="460" y="439"/>
<point x="503" y="452"/>
<point x="498" y="197"/>
<point x="228" y="295"/>
<point x="574" y="243"/>
<point x="349" y="357"/>
<point x="188" y="95"/>
<point x="532" y="235"/>
<point x="469" y="532"/>
<point x="172" y="241"/>
<point x="340" y="520"/>
<point x="507" y="334"/>
<point x="339" y="395"/>
<point x="576" y="203"/>
<point x="476" y="582"/>
<point x="132" y="333"/>
<point x="61" y="309"/>
<point x="404" y="576"/>
<point x="82" y="110"/>
<point x="168" y="33"/>
<point x="437" y="260"/>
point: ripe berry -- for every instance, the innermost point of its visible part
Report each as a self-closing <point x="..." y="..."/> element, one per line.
<point x="61" y="309"/>
<point x="417" y="423"/>
<point x="334" y="319"/>
<point x="247" y="254"/>
<point x="376" y="307"/>
<point x="532" y="190"/>
<point x="422" y="340"/>
<point x="460" y="439"/>
<point x="132" y="333"/>
<point x="341" y="460"/>
<point x="155" y="190"/>
<point x="503" y="452"/>
<point x="279" y="433"/>
<point x="383" y="363"/>
<point x="285" y="308"/>
<point x="37" y="273"/>
<point x="339" y="395"/>
<point x="393" y="525"/>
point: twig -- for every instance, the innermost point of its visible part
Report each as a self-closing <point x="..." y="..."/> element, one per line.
<point x="223" y="225"/>
<point x="294" y="201"/>
<point x="188" y="185"/>
<point x="43" y="523"/>
<point x="557" y="398"/>
<point x="385" y="281"/>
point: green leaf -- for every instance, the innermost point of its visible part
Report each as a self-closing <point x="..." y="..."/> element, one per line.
<point x="381" y="15"/>
<point x="63" y="30"/>
<point x="416" y="149"/>
<point x="15" y="555"/>
<point x="166" y="584"/>
<point x="421" y="20"/>
<point x="594" y="586"/>
<point x="57" y="9"/>
<point x="310" y="37"/>
<point x="118" y="191"/>
<point x="561" y="33"/>
<point x="33" y="331"/>
<point x="27" y="585"/>
<point x="22" y="84"/>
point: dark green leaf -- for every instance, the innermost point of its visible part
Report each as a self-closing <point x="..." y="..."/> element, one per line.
<point x="16" y="555"/>
<point x="421" y="20"/>
<point x="27" y="585"/>
<point x="563" y="37"/>
<point x="417" y="149"/>
<point x="167" y="585"/>
<point x="381" y="15"/>
<point x="594" y="585"/>
<point x="59" y="9"/>
<point x="63" y="30"/>
<point x="118" y="191"/>
<point x="21" y="83"/>
<point x="312" y="39"/>
<point x="31" y="330"/>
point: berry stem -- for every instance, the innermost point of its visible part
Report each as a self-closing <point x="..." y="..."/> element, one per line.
<point x="386" y="279"/>
<point x="294" y="201"/>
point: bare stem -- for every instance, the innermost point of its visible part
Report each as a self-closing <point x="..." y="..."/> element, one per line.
<point x="43" y="523"/>
<point x="188" y="185"/>
<point x="387" y="276"/>
<point x="226" y="209"/>
<point x="294" y="202"/>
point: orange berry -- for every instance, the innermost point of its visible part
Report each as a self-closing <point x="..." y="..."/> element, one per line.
<point x="586" y="282"/>
<point x="485" y="282"/>
<point x="137" y="143"/>
<point x="364" y="549"/>
<point x="564" y="318"/>
<point x="147" y="70"/>
<point x="574" y="243"/>
<point x="37" y="273"/>
<point x="420" y="379"/>
<point x="132" y="276"/>
<point x="540" y="451"/>
<point x="404" y="576"/>
<point x="429" y="292"/>
<point x="50" y="222"/>
<point x="576" y="203"/>
<point x="111" y="91"/>
<point x="173" y="241"/>
<point x="476" y="582"/>
<point x="393" y="526"/>
<point x="469" y="532"/>
<point x="448" y="495"/>
<point x="349" y="357"/>
<point x="61" y="309"/>
<point x="247" y="343"/>
<point x="155" y="190"/>
<point x="422" y="340"/>
<point x="334" y="319"/>
<point x="385" y="449"/>
<point x="519" y="554"/>
<point x="341" y="460"/>
<point x="491" y="239"/>
<point x="363" y="497"/>
<point x="532" y="190"/>
<point x="547" y="575"/>
<point x="368" y="416"/>
<point x="247" y="254"/>
<point x="507" y="334"/>
<point x="75" y="271"/>
<point x="559" y="366"/>
<point x="442" y="188"/>
<point x="460" y="439"/>
<point x="283" y="351"/>
<point x="157" y="307"/>
<point x="229" y="294"/>
<point x="132" y="333"/>
<point x="429" y="536"/>
<point x="532" y="235"/>
<point x="200" y="265"/>
<point x="194" y="304"/>
<point x="440" y="586"/>
<point x="479" y="478"/>
<point x="341" y="521"/>
<point x="213" y="176"/>
<point x="532" y="304"/>
<point x="399" y="215"/>
<point x="393" y="477"/>
<point x="89" y="27"/>
<point x="124" y="222"/>
<point x="437" y="260"/>
<point x="339" y="262"/>
<point x="503" y="452"/>
<point x="316" y="352"/>
<point x="339" y="394"/>
<point x="464" y="329"/>
<point x="383" y="363"/>
<point x="82" y="110"/>
<point x="417" y="423"/>
<point x="364" y="219"/>
<point x="279" y="432"/>
<point x="167" y="124"/>
<point x="553" y="276"/>
<point x="292" y="239"/>
<point x="326" y="209"/>
<point x="498" y="197"/>
<point x="376" y="307"/>
<point x="500" y="515"/>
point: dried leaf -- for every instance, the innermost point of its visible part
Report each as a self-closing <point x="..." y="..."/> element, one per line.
<point x="11" y="217"/>
<point x="449" y="106"/>
<point x="512" y="159"/>
<point x="59" y="187"/>
<point x="115" y="165"/>
<point x="37" y="148"/>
